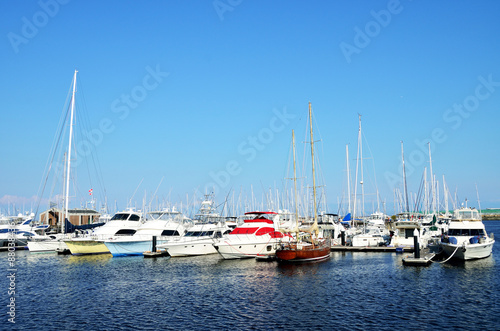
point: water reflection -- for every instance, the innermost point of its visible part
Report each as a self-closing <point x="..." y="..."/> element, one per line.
<point x="300" y="269"/>
<point x="88" y="259"/>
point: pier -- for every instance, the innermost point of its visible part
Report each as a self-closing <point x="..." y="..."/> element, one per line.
<point x="385" y="249"/>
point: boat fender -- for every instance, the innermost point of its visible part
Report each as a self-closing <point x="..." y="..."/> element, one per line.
<point x="452" y="240"/>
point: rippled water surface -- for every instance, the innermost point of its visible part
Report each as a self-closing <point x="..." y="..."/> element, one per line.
<point x="351" y="291"/>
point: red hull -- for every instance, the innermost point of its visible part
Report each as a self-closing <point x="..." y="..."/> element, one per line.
<point x="303" y="253"/>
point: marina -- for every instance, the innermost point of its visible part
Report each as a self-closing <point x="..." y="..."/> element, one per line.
<point x="353" y="290"/>
<point x="246" y="165"/>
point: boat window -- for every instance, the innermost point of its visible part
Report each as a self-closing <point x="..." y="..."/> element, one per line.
<point x="119" y="217"/>
<point x="409" y="233"/>
<point x="170" y="233"/>
<point x="474" y="232"/>
<point x="263" y="231"/>
<point x="134" y="217"/>
<point x="454" y="232"/>
<point x="244" y="231"/>
<point x="218" y="234"/>
<point x="125" y="232"/>
<point x="465" y="232"/>
<point x="199" y="233"/>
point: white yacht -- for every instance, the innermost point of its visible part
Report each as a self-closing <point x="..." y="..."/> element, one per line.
<point x="197" y="241"/>
<point x="164" y="225"/>
<point x="257" y="236"/>
<point x="123" y="224"/>
<point x="374" y="233"/>
<point x="404" y="229"/>
<point x="18" y="229"/>
<point x="467" y="238"/>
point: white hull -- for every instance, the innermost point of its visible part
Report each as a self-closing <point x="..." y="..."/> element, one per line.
<point x="468" y="252"/>
<point x="235" y="250"/>
<point x="367" y="241"/>
<point x="204" y="247"/>
<point x="467" y="238"/>
<point x="46" y="246"/>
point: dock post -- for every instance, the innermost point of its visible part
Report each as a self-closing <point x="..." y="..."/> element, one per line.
<point x="153" y="249"/>
<point x="342" y="237"/>
<point x="415" y="244"/>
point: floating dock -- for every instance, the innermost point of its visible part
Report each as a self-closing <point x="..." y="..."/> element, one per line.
<point x="405" y="249"/>
<point x="420" y="261"/>
<point x="158" y="253"/>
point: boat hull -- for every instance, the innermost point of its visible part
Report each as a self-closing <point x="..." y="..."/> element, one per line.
<point x="367" y="241"/>
<point x="46" y="246"/>
<point x="86" y="247"/>
<point x="303" y="252"/>
<point x="131" y="248"/>
<point x="189" y="248"/>
<point x="235" y="250"/>
<point x="468" y="252"/>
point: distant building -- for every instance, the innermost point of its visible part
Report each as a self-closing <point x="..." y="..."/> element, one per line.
<point x="76" y="216"/>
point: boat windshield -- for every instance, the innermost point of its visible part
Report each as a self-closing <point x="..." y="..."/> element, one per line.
<point x="198" y="233"/>
<point x="120" y="217"/>
<point x="170" y="233"/>
<point x="165" y="216"/>
<point x="466" y="232"/>
<point x="468" y="214"/>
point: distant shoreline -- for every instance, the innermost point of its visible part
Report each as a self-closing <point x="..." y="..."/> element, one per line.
<point x="490" y="217"/>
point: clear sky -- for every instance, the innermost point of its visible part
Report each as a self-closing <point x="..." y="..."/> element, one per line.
<point x="199" y="94"/>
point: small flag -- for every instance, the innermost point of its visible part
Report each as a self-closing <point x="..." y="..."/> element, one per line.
<point x="90" y="191"/>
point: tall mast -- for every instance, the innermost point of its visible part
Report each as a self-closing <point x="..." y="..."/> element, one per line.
<point x="295" y="186"/>
<point x="348" y="179"/>
<point x="404" y="178"/>
<point x="433" y="191"/>
<point x="426" y="193"/>
<point x="314" y="179"/>
<point x="445" y="193"/>
<point x="360" y="141"/>
<point x="69" y="151"/>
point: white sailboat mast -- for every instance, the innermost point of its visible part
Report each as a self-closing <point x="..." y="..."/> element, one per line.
<point x="404" y="178"/>
<point x="433" y="190"/>
<point x="348" y="179"/>
<point x="360" y="141"/>
<point x="69" y="151"/>
<point x="314" y="179"/>
<point x="295" y="187"/>
<point x="445" y="193"/>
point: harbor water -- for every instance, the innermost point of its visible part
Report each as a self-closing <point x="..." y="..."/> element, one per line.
<point x="351" y="291"/>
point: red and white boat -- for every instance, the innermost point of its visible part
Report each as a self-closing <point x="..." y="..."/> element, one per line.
<point x="257" y="237"/>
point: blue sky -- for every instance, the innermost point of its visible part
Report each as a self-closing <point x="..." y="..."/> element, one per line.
<point x="195" y="94"/>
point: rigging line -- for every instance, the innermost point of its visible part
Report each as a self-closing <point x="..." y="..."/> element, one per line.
<point x="55" y="148"/>
<point x="419" y="193"/>
<point x="448" y="257"/>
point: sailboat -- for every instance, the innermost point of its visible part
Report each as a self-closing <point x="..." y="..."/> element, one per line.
<point x="56" y="242"/>
<point x="307" y="245"/>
